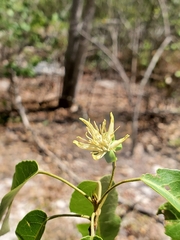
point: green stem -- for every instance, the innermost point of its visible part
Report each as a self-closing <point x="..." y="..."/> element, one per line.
<point x="112" y="174"/>
<point x="68" y="215"/>
<point x="100" y="204"/>
<point x="66" y="182"/>
<point x="103" y="198"/>
<point x="115" y="185"/>
<point x="92" y="224"/>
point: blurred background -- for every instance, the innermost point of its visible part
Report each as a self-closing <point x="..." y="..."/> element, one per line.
<point x="61" y="60"/>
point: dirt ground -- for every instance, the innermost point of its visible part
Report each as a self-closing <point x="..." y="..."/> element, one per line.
<point x="138" y="204"/>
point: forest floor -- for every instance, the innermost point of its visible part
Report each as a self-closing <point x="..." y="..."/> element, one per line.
<point x="156" y="147"/>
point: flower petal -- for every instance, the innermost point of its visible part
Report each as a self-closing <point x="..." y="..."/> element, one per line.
<point x="116" y="143"/>
<point x="91" y="128"/>
<point x="110" y="132"/>
<point x="102" y="128"/>
<point x="97" y="155"/>
<point x="85" y="146"/>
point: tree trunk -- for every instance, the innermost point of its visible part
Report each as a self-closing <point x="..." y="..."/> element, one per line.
<point x="76" y="50"/>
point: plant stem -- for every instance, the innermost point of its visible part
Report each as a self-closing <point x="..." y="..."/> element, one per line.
<point x="112" y="174"/>
<point x="66" y="182"/>
<point x="92" y="224"/>
<point x="68" y="215"/>
<point x="115" y="185"/>
<point x="101" y="202"/>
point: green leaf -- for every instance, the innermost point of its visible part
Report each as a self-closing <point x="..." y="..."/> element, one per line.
<point x="172" y="223"/>
<point x="78" y="203"/>
<point x="177" y="74"/>
<point x="83" y="228"/>
<point x="167" y="184"/>
<point x="23" y="172"/>
<point x="91" y="238"/>
<point x="109" y="222"/>
<point x="32" y="226"/>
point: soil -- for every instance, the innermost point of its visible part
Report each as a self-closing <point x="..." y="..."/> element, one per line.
<point x="158" y="131"/>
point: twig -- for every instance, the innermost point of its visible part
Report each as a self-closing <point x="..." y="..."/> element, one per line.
<point x="40" y="145"/>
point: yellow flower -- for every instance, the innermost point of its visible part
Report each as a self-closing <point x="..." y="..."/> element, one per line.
<point x="101" y="142"/>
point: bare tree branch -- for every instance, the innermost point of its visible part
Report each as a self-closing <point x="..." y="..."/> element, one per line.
<point x="165" y="16"/>
<point x="143" y="83"/>
<point x="114" y="36"/>
<point x="135" y="47"/>
<point x="87" y="18"/>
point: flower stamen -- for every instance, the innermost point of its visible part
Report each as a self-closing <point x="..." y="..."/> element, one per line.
<point x="100" y="141"/>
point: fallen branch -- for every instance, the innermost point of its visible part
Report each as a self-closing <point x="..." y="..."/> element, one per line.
<point x="31" y="133"/>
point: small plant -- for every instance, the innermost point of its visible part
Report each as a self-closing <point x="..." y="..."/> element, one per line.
<point x="95" y="201"/>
